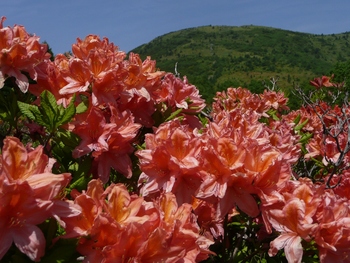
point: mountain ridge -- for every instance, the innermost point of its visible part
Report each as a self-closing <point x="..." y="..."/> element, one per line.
<point x="216" y="57"/>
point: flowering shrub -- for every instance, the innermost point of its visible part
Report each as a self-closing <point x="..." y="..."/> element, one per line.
<point x="104" y="158"/>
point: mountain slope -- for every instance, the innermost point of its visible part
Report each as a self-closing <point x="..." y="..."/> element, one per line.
<point x="216" y="57"/>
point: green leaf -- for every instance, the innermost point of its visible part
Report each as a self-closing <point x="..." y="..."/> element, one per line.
<point x="82" y="107"/>
<point x="8" y="106"/>
<point x="64" y="250"/>
<point x="81" y="183"/>
<point x="63" y="143"/>
<point x="301" y="125"/>
<point x="305" y="137"/>
<point x="174" y="115"/>
<point x="67" y="114"/>
<point x="204" y="120"/>
<point x="297" y="119"/>
<point x="275" y="118"/>
<point x="69" y="139"/>
<point x="49" y="109"/>
<point x="272" y="113"/>
<point x="30" y="111"/>
<point x="48" y="100"/>
<point x="81" y="174"/>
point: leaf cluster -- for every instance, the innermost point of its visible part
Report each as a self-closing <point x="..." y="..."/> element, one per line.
<point x="48" y="114"/>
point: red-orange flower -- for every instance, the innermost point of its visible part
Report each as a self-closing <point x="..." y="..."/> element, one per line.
<point x="170" y="162"/>
<point x="120" y="227"/>
<point x="20" y="213"/>
<point x="324" y="81"/>
<point x="94" y="132"/>
<point x="246" y="101"/>
<point x="332" y="234"/>
<point x="182" y="95"/>
<point x="19" y="52"/>
<point x="293" y="217"/>
<point x="50" y="79"/>
<point x="19" y="165"/>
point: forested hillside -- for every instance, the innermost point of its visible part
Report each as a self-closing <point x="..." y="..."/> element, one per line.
<point x="216" y="57"/>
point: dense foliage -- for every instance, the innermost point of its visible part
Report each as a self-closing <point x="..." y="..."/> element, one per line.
<point x="104" y="158"/>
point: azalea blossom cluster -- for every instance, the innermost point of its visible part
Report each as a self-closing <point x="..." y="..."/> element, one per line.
<point x="30" y="194"/>
<point x="309" y="212"/>
<point x="119" y="227"/>
<point x="123" y="94"/>
<point x="181" y="177"/>
<point x="19" y="52"/>
<point x="316" y="209"/>
<point x="231" y="163"/>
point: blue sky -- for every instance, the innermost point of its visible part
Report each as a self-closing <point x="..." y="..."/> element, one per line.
<point x="131" y="23"/>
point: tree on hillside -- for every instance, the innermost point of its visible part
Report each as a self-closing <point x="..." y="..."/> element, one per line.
<point x="341" y="71"/>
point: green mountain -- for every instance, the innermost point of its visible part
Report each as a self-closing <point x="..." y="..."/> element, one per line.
<point x="217" y="57"/>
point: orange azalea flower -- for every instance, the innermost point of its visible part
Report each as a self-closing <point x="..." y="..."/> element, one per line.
<point x="19" y="163"/>
<point x="332" y="235"/>
<point x="142" y="74"/>
<point x="171" y="165"/>
<point x="240" y="98"/>
<point x="93" y="132"/>
<point x="93" y="60"/>
<point x="122" y="207"/>
<point x="230" y="99"/>
<point x="91" y="205"/>
<point x="19" y="52"/>
<point x="141" y="89"/>
<point x="106" y="90"/>
<point x="102" y="236"/>
<point x="81" y="225"/>
<point x="140" y="103"/>
<point x="239" y="125"/>
<point x="182" y="95"/>
<point x="177" y="237"/>
<point x="126" y="228"/>
<point x="82" y="48"/>
<point x="117" y="157"/>
<point x="293" y="217"/>
<point x="263" y="166"/>
<point x="324" y="81"/>
<point x="20" y="212"/>
<point x="294" y="225"/>
<point x="274" y="100"/>
<point x="291" y="243"/>
<point x="119" y="146"/>
<point x="210" y="222"/>
<point x="284" y="139"/>
<point x="79" y="78"/>
<point x="111" y="233"/>
<point x="96" y="70"/>
<point x="50" y="78"/>
<point x="235" y="172"/>
<point x="104" y="69"/>
<point x="222" y="158"/>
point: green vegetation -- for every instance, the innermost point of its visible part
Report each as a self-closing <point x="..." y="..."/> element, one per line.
<point x="217" y="57"/>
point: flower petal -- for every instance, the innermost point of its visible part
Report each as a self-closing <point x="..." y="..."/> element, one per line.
<point x="30" y="240"/>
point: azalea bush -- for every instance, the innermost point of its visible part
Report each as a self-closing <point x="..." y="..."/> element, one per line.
<point x="105" y="158"/>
